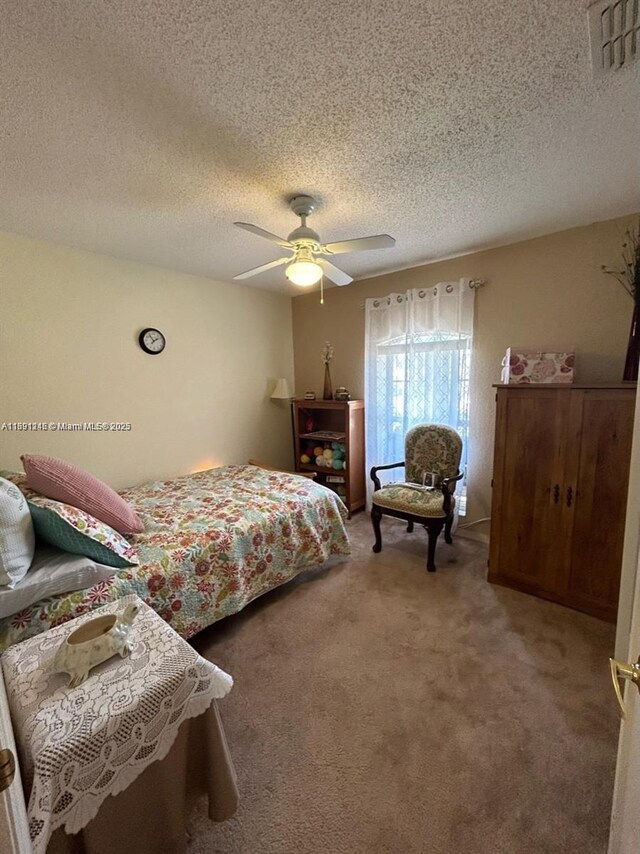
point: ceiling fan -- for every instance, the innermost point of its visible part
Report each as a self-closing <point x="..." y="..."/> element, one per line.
<point x="307" y="261"/>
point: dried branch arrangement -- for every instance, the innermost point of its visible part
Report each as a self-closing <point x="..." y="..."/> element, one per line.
<point x="629" y="274"/>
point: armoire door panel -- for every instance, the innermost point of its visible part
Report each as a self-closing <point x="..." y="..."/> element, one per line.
<point x="526" y="512"/>
<point x="597" y="471"/>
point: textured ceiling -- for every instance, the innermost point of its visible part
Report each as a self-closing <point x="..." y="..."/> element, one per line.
<point x="143" y="128"/>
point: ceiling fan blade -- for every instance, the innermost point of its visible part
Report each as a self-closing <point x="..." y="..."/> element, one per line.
<point x="332" y="272"/>
<point x="359" y="244"/>
<point x="254" y="272"/>
<point x="254" y="229"/>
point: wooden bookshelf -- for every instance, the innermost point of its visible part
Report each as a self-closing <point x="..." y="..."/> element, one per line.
<point x="339" y="421"/>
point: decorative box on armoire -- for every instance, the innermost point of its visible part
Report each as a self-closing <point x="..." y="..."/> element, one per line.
<point x="333" y="426"/>
<point x="560" y="480"/>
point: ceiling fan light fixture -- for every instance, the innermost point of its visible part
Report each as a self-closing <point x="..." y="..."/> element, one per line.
<point x="303" y="271"/>
<point x="307" y="264"/>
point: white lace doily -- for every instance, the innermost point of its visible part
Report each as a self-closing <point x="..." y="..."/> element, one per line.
<point x="80" y="745"/>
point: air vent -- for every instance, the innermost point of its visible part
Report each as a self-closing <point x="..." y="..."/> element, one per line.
<point x="615" y="32"/>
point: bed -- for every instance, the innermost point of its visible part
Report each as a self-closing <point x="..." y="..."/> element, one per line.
<point x="213" y="542"/>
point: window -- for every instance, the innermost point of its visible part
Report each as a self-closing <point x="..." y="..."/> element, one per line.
<point x="418" y="359"/>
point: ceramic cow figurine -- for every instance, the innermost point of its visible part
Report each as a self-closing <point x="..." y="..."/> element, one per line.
<point x="94" y="642"/>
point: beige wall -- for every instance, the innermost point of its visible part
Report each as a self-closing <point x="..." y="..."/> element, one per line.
<point x="69" y="352"/>
<point x="544" y="291"/>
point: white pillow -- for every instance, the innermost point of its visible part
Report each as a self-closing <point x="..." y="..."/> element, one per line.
<point x="17" y="540"/>
<point x="52" y="572"/>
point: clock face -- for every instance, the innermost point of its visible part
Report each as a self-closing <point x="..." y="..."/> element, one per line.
<point x="152" y="341"/>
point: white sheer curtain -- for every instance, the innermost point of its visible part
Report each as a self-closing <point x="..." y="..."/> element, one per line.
<point x="417" y="363"/>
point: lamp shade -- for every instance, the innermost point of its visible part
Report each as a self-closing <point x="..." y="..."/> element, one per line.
<point x="303" y="273"/>
<point x="281" y="391"/>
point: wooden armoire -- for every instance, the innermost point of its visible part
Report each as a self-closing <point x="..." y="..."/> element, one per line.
<point x="560" y="479"/>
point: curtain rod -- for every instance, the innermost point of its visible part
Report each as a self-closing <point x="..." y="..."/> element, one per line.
<point x="474" y="284"/>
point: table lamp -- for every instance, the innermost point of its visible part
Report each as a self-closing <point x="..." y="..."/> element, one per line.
<point x="281" y="391"/>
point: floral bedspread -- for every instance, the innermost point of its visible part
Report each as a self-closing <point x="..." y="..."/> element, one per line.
<point x="212" y="543"/>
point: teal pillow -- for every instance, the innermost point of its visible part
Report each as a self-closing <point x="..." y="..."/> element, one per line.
<point x="79" y="533"/>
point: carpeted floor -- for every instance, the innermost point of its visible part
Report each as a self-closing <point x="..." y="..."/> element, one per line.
<point x="378" y="708"/>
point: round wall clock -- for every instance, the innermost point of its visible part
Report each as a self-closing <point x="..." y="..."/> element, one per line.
<point x="152" y="341"/>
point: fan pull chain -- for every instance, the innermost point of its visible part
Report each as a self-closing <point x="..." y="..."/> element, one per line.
<point x="322" y="289"/>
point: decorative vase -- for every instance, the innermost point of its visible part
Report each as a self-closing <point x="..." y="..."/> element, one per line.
<point x="94" y="642"/>
<point x="327" y="394"/>
<point x="633" y="350"/>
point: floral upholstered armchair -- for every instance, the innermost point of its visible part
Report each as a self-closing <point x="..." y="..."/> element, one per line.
<point x="432" y="468"/>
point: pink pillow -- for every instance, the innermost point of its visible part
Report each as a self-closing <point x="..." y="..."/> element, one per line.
<point x="65" y="482"/>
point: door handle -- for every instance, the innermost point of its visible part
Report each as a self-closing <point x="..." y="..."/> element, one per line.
<point x="556" y="493"/>
<point x="569" y="496"/>
<point x="622" y="670"/>
<point x="7" y="768"/>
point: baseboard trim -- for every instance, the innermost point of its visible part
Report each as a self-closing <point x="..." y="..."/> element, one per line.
<point x="471" y="534"/>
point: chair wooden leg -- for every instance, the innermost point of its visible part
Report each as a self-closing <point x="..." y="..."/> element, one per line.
<point x="433" y="529"/>
<point x="376" y="515"/>
<point x="409" y="527"/>
<point x="447" y="530"/>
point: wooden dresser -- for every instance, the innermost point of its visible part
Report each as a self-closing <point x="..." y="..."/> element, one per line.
<point x="560" y="479"/>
